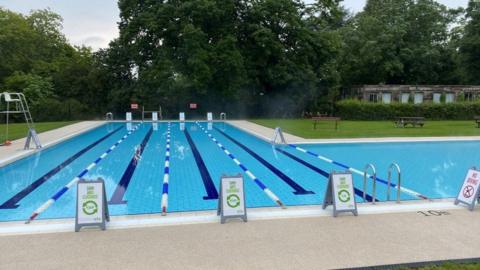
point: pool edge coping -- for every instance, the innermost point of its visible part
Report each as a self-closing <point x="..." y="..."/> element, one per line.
<point x="10" y="228"/>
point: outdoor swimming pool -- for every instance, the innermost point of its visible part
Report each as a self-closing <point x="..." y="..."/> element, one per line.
<point x="134" y="185"/>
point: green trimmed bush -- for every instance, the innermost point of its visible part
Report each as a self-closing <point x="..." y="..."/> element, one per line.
<point x="361" y="110"/>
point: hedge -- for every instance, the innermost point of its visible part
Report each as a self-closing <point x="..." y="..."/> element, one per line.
<point x="361" y="110"/>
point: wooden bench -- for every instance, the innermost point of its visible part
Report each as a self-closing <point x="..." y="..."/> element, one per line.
<point x="317" y="119"/>
<point x="477" y="120"/>
<point x="413" y="121"/>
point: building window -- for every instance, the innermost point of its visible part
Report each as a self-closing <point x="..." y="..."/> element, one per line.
<point x="418" y="98"/>
<point x="373" y="97"/>
<point x="469" y="96"/>
<point x="405" y="97"/>
<point x="386" y="98"/>
<point x="449" y="97"/>
<point x="436" y="97"/>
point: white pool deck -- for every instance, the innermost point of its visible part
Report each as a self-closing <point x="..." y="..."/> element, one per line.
<point x="303" y="237"/>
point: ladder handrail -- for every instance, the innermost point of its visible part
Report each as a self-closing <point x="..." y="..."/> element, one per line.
<point x="109" y="116"/>
<point x="399" y="183"/>
<point x="374" y="188"/>
<point x="223" y="116"/>
<point x="278" y="133"/>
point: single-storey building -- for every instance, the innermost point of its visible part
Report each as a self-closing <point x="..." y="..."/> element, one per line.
<point x="417" y="93"/>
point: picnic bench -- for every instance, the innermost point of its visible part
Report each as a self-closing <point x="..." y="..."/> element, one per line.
<point x="317" y="119"/>
<point x="477" y="120"/>
<point x="413" y="121"/>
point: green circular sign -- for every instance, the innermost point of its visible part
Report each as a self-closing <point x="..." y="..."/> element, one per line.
<point x="344" y="195"/>
<point x="233" y="200"/>
<point x="90" y="207"/>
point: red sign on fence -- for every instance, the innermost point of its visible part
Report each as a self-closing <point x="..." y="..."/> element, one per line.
<point x="134" y="106"/>
<point x="193" y="105"/>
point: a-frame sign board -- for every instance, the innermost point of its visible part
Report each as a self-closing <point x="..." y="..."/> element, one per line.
<point x="231" y="200"/>
<point x="92" y="206"/>
<point x="470" y="192"/>
<point x="340" y="193"/>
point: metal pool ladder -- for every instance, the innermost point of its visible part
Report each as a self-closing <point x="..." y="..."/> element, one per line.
<point x="109" y="116"/>
<point x="374" y="188"/>
<point x="223" y="116"/>
<point x="399" y="174"/>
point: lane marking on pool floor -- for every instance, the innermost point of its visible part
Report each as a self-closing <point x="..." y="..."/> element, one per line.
<point x="358" y="192"/>
<point x="166" y="174"/>
<point x="122" y="186"/>
<point x="212" y="193"/>
<point x="257" y="181"/>
<point x="299" y="190"/>
<point x="62" y="191"/>
<point x="403" y="189"/>
<point x="12" y="203"/>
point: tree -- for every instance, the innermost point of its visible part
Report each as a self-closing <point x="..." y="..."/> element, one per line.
<point x="250" y="56"/>
<point x="470" y="44"/>
<point x="38" y="61"/>
<point x="400" y="42"/>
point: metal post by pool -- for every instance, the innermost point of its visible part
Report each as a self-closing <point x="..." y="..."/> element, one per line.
<point x="394" y="165"/>
<point x="374" y="177"/>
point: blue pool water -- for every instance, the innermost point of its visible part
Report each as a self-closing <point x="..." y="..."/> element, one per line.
<point x="433" y="169"/>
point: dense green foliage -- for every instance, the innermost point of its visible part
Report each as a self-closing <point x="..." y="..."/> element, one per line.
<point x="470" y="44"/>
<point x="58" y="79"/>
<point x="361" y="110"/>
<point x="247" y="57"/>
<point x="400" y="42"/>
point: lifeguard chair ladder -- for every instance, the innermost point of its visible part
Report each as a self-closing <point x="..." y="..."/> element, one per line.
<point x="21" y="106"/>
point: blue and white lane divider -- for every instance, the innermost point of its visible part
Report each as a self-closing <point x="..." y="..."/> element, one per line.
<point x="406" y="190"/>
<point x="166" y="174"/>
<point x="247" y="171"/>
<point x="62" y="191"/>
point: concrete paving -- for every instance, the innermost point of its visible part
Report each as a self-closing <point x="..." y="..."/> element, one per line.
<point x="301" y="243"/>
<point x="15" y="151"/>
<point x="262" y="132"/>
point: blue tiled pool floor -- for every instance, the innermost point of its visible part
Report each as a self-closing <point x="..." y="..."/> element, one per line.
<point x="434" y="169"/>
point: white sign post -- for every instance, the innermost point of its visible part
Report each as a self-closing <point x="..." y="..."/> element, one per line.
<point x="231" y="201"/>
<point x="469" y="193"/>
<point x="340" y="193"/>
<point x="92" y="208"/>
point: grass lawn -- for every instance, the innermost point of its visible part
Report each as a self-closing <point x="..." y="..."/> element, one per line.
<point x="16" y="131"/>
<point x="451" y="266"/>
<point x="369" y="129"/>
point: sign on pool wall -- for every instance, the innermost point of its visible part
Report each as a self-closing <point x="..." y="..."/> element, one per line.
<point x="231" y="202"/>
<point x="92" y="207"/>
<point x="470" y="189"/>
<point x="340" y="193"/>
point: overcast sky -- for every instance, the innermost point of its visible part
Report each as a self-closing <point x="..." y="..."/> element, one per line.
<point x="94" y="22"/>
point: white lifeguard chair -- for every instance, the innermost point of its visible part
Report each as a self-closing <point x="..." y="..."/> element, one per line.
<point x="209" y="117"/>
<point x="21" y="106"/>
<point x="181" y="117"/>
